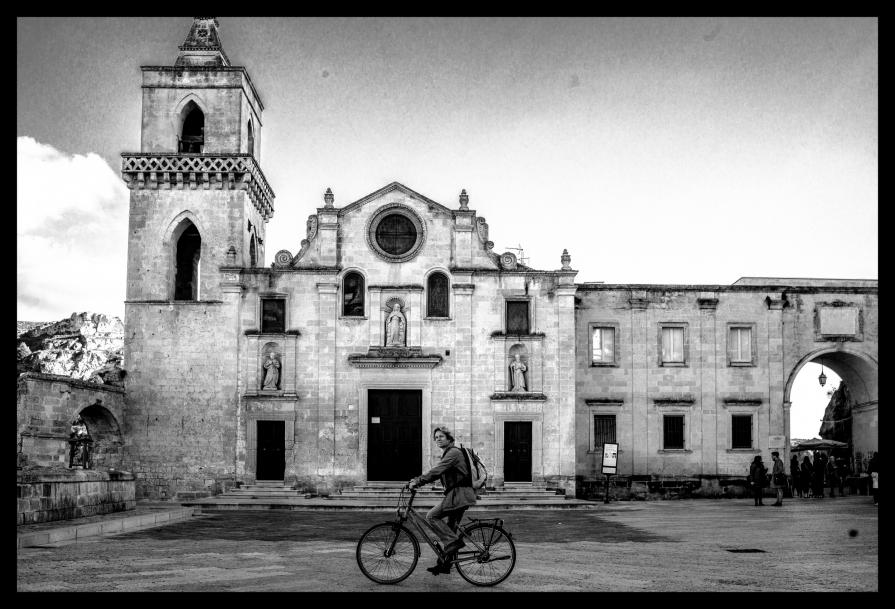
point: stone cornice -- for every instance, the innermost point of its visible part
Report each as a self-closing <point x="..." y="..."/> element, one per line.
<point x="174" y="171"/>
<point x="58" y="378"/>
<point x="650" y="287"/>
<point x="384" y="357"/>
<point x="518" y="396"/>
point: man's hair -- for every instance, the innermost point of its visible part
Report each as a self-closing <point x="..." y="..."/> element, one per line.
<point x="443" y="429"/>
<point x="775" y="454"/>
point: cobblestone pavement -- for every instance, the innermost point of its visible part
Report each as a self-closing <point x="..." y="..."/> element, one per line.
<point x="684" y="545"/>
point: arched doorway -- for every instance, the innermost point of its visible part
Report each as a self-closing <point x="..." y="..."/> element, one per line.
<point x="106" y="435"/>
<point x="855" y="409"/>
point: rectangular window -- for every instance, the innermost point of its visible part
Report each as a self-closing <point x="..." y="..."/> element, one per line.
<point x="741" y="431"/>
<point x="273" y="315"/>
<point x="740" y="343"/>
<point x="604" y="429"/>
<point x="673" y="432"/>
<point x="672" y="345"/>
<point x="517" y="317"/>
<point x="603" y="345"/>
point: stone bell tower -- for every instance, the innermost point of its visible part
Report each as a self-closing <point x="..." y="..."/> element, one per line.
<point x="199" y="204"/>
<point x="199" y="200"/>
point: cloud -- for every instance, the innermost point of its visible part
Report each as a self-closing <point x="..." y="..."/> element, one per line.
<point x="71" y="233"/>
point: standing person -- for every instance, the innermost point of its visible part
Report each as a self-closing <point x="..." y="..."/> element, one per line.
<point x="757" y="478"/>
<point x="844" y="472"/>
<point x="873" y="470"/>
<point x="817" y="477"/>
<point x="794" y="474"/>
<point x="458" y="495"/>
<point x="805" y="474"/>
<point x="778" y="478"/>
<point x="832" y="476"/>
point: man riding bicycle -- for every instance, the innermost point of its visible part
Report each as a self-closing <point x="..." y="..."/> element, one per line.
<point x="458" y="495"/>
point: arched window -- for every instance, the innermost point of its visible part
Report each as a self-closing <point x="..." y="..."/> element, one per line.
<point x="253" y="258"/>
<point x="192" y="135"/>
<point x="251" y="146"/>
<point x="186" y="276"/>
<point x="353" y="295"/>
<point x="437" y="296"/>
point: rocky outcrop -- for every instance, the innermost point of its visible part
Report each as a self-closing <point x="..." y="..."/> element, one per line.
<point x="86" y="346"/>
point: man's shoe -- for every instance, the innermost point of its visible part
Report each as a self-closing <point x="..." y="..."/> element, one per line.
<point x="439" y="568"/>
<point x="453" y="546"/>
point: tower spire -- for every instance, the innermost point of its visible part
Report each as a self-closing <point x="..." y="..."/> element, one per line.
<point x="202" y="46"/>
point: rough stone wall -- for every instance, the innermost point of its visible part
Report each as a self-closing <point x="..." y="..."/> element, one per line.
<point x="46" y="495"/>
<point x="219" y="95"/>
<point x="45" y="407"/>
<point x="181" y="395"/>
<point x="221" y="219"/>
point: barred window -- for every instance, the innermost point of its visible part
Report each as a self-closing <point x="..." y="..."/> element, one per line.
<point x="604" y="429"/>
<point x="517" y="317"/>
<point x="437" y="295"/>
<point x="673" y="432"/>
<point x="273" y="315"/>
<point x="741" y="431"/>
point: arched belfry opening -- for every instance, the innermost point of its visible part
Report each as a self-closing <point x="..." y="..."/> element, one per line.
<point x="187" y="251"/>
<point x="253" y="255"/>
<point x="192" y="133"/>
<point x="250" y="148"/>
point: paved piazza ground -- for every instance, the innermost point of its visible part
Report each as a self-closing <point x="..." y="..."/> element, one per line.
<point x="807" y="545"/>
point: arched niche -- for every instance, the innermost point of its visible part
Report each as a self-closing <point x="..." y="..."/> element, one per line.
<point x="187" y="251"/>
<point x="271" y="367"/>
<point x="511" y="365"/>
<point x="105" y="432"/>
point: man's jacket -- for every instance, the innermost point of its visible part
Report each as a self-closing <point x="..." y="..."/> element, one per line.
<point x="453" y="472"/>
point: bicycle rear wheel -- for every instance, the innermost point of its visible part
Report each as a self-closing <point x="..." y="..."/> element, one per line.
<point x="387" y="553"/>
<point x="492" y="566"/>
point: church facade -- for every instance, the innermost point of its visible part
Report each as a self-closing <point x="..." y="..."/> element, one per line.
<point x="331" y="366"/>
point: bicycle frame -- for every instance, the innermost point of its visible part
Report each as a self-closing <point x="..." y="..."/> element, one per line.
<point x="407" y="513"/>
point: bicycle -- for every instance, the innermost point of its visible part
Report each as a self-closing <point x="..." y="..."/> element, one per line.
<point x="387" y="553"/>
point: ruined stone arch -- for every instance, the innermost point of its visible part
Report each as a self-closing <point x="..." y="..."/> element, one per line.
<point x="105" y="431"/>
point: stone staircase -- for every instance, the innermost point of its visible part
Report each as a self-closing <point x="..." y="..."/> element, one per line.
<point x="381" y="496"/>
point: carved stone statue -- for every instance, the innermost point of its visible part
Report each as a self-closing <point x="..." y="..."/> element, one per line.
<point x="395" y="327"/>
<point x="517" y="374"/>
<point x="79" y="439"/>
<point x="271" y="372"/>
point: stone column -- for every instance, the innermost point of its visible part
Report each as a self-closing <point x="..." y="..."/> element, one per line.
<point x="708" y="364"/>
<point x="776" y="373"/>
<point x="231" y="294"/>
<point x="639" y="379"/>
<point x="787" y="406"/>
<point x="327" y="315"/>
<point x="565" y="372"/>
<point x="464" y="392"/>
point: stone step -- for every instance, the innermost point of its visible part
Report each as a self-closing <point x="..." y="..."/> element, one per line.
<point x="482" y="507"/>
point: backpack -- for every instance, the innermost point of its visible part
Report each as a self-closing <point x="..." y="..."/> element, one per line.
<point x="478" y="474"/>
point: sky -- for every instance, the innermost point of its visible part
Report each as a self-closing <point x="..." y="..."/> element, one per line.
<point x="670" y="150"/>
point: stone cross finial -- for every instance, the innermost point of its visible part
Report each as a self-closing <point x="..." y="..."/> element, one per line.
<point x="464" y="200"/>
<point x="328" y="198"/>
<point x="202" y="46"/>
<point x="566" y="260"/>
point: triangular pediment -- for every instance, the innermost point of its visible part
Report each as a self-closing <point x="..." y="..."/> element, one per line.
<point x="391" y="188"/>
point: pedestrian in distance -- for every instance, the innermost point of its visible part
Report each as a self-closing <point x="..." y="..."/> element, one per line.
<point x="806" y="472"/>
<point x="758" y="478"/>
<point x="873" y="470"/>
<point x="796" y="486"/>
<point x="778" y="478"/>
<point x="832" y="476"/>
<point x="844" y="472"/>
<point x="458" y="495"/>
<point x="817" y="477"/>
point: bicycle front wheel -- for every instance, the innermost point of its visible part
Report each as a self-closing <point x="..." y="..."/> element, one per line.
<point x="387" y="553"/>
<point x="492" y="566"/>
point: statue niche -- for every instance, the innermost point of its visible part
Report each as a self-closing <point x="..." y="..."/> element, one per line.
<point x="518" y="380"/>
<point x="270" y="363"/>
<point x="395" y="324"/>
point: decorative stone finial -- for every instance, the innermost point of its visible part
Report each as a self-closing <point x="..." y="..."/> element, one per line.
<point x="328" y="198"/>
<point x="202" y="46"/>
<point x="566" y="260"/>
<point x="464" y="200"/>
<point x="231" y="256"/>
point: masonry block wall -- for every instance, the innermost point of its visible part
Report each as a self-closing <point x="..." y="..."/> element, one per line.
<point x="46" y="404"/>
<point x="181" y="395"/>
